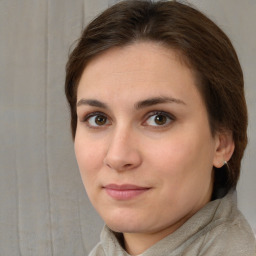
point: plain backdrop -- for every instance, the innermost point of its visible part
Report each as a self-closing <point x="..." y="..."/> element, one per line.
<point x="44" y="209"/>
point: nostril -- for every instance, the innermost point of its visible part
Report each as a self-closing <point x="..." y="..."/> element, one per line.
<point x="127" y="165"/>
<point x="119" y="167"/>
<point x="108" y="165"/>
<point x="121" y="160"/>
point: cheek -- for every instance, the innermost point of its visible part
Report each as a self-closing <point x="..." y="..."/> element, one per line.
<point x="171" y="152"/>
<point x="89" y="158"/>
<point x="181" y="155"/>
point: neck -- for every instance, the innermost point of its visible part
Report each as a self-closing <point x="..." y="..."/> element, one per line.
<point x="137" y="243"/>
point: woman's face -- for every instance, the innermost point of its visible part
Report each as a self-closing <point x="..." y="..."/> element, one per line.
<point x="143" y="142"/>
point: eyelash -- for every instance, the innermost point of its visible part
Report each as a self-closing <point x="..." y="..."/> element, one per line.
<point x="93" y="114"/>
<point x="149" y="115"/>
<point x="159" y="113"/>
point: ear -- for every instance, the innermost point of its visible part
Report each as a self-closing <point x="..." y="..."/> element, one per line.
<point x="224" y="149"/>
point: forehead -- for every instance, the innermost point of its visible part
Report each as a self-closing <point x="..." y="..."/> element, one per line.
<point x="140" y="68"/>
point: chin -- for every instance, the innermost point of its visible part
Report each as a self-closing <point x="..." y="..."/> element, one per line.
<point x="124" y="223"/>
<point x="125" y="227"/>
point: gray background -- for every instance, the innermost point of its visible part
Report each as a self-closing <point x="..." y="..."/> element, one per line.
<point x="44" y="209"/>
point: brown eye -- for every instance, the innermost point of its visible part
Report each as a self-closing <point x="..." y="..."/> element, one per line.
<point x="100" y="120"/>
<point x="160" y="119"/>
<point x="97" y="120"/>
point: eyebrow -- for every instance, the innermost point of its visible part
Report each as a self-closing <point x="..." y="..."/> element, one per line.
<point x="157" y="100"/>
<point x="91" y="102"/>
<point x="139" y="105"/>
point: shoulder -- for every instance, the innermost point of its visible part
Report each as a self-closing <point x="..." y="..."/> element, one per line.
<point x="97" y="251"/>
<point x="226" y="231"/>
<point x="109" y="245"/>
<point x="230" y="237"/>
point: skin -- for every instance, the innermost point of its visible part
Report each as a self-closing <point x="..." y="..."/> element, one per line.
<point x="164" y="146"/>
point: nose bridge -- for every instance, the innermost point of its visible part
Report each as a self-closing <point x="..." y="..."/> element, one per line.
<point x="122" y="153"/>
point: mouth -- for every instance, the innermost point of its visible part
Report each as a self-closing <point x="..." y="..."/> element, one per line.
<point x="125" y="191"/>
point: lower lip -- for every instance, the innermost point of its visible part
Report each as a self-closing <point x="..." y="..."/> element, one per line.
<point x="126" y="194"/>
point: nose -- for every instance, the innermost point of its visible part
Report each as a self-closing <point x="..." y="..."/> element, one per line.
<point x="123" y="153"/>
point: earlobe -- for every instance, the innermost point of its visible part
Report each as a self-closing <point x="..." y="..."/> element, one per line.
<point x="224" y="149"/>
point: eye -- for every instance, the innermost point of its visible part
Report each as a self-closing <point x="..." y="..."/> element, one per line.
<point x="158" y="119"/>
<point x="96" y="120"/>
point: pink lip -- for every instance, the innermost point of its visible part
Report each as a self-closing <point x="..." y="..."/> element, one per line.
<point x="125" y="191"/>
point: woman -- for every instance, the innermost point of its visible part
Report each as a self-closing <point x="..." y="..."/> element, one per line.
<point x="159" y="121"/>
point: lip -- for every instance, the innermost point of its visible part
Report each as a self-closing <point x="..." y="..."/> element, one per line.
<point x="124" y="191"/>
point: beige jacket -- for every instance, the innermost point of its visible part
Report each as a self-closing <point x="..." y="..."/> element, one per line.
<point x="219" y="228"/>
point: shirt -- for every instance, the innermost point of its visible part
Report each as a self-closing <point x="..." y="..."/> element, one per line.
<point x="217" y="229"/>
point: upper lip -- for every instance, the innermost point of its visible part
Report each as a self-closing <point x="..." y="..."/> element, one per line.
<point x="124" y="187"/>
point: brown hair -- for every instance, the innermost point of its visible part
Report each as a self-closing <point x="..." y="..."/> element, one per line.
<point x="203" y="45"/>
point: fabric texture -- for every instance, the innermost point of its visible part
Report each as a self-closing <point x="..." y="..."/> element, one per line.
<point x="219" y="228"/>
